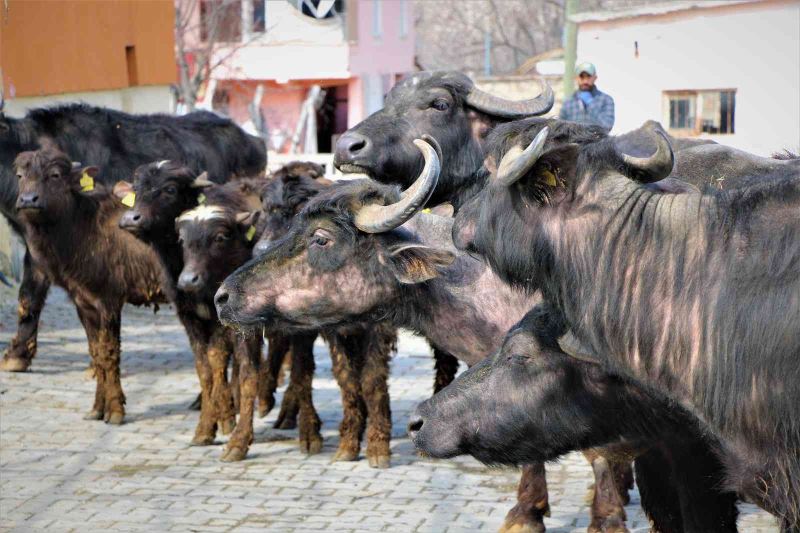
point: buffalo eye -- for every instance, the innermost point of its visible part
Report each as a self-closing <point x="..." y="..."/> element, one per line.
<point x="19" y="176"/>
<point x="221" y="238"/>
<point x="440" y="104"/>
<point x="170" y="189"/>
<point x="520" y="359"/>
<point x="320" y="238"/>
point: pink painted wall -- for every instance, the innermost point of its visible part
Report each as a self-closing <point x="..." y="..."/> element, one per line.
<point x="390" y="53"/>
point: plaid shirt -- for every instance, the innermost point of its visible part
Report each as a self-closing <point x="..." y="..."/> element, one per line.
<point x="600" y="111"/>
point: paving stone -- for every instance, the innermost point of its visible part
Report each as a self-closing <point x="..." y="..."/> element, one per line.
<point x="60" y="473"/>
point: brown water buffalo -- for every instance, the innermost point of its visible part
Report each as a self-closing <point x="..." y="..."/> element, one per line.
<point x="70" y="225"/>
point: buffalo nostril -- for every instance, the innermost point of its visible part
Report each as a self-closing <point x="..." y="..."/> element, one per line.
<point x="137" y="217"/>
<point x="415" y="425"/>
<point x="35" y="199"/>
<point x="356" y="146"/>
<point x="195" y="279"/>
<point x="221" y="298"/>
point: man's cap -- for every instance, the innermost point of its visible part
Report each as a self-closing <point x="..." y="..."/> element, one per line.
<point x="587" y="67"/>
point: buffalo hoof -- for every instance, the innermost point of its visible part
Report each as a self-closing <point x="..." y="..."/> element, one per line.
<point x="528" y="527"/>
<point x="227" y="426"/>
<point x="93" y="415"/>
<point x="14" y="364"/>
<point x="202" y="440"/>
<point x="197" y="404"/>
<point x="378" y="461"/>
<point x="345" y="455"/>
<point x="312" y="445"/>
<point x="610" y="525"/>
<point x="231" y="455"/>
<point x="115" y="418"/>
<point x="286" y="423"/>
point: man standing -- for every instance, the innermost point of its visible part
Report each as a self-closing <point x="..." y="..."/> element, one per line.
<point x="588" y="104"/>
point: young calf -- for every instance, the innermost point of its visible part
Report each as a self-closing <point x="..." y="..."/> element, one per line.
<point x="360" y="354"/>
<point x="71" y="227"/>
<point x="160" y="193"/>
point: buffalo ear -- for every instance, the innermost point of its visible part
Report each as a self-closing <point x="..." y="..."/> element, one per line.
<point x="80" y="171"/>
<point x="559" y="161"/>
<point x="247" y="218"/>
<point x="415" y="263"/>
<point x="202" y="181"/>
<point x="445" y="210"/>
<point x="122" y="189"/>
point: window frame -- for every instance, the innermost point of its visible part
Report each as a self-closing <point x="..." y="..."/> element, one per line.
<point x="695" y="96"/>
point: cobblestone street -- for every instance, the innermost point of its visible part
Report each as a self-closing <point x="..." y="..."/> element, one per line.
<point x="61" y="473"/>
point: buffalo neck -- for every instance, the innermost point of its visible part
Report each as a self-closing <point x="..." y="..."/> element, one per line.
<point x="465" y="311"/>
<point x="690" y="289"/>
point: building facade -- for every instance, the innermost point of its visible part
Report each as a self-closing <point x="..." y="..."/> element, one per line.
<point x="117" y="54"/>
<point x="354" y="50"/>
<point x="728" y="71"/>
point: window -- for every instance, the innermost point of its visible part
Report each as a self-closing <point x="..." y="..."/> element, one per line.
<point x="377" y="19"/>
<point x="403" y="18"/>
<point x="696" y="112"/>
<point x="259" y="16"/>
<point x="130" y="61"/>
<point x="221" y="20"/>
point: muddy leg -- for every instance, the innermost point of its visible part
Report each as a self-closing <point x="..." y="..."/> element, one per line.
<point x="607" y="512"/>
<point x="277" y="350"/>
<point x="218" y="355"/>
<point x="206" y="429"/>
<point x="234" y="381"/>
<point x="446" y="367"/>
<point x="375" y="390"/>
<point x="303" y="374"/>
<point x="247" y="356"/>
<point x="527" y="516"/>
<point x="347" y="354"/>
<point x="32" y="295"/>
<point x="623" y="479"/>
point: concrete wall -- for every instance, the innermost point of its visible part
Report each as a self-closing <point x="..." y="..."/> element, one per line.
<point x="151" y="99"/>
<point x="751" y="47"/>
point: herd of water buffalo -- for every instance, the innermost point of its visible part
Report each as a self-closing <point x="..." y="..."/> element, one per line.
<point x="635" y="297"/>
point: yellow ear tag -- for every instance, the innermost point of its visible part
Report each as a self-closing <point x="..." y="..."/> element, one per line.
<point x="87" y="182"/>
<point x="251" y="232"/>
<point x="549" y="178"/>
<point x="427" y="211"/>
<point x="129" y="199"/>
<point x="201" y="199"/>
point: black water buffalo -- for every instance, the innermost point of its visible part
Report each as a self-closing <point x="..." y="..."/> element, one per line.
<point x="116" y="143"/>
<point x="697" y="294"/>
<point x="342" y="262"/>
<point x="530" y="403"/>
<point x="448" y="107"/>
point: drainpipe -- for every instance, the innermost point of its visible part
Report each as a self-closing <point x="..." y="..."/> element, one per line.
<point x="570" y="48"/>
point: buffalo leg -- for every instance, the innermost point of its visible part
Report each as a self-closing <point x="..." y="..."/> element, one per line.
<point x="607" y="512"/>
<point x="347" y="356"/>
<point x="381" y="343"/>
<point x="218" y="355"/>
<point x="102" y="328"/>
<point x="247" y="357"/>
<point x="277" y="350"/>
<point x="32" y="295"/>
<point x="623" y="479"/>
<point x="302" y="375"/>
<point x="446" y="367"/>
<point x="206" y="429"/>
<point x="532" y="502"/>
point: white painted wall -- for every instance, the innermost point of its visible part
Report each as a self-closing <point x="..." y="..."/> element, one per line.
<point x="754" y="48"/>
<point x="145" y="99"/>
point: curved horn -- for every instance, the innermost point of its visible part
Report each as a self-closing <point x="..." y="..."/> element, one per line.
<point x="517" y="162"/>
<point x="655" y="167"/>
<point x="379" y="218"/>
<point x="494" y="105"/>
